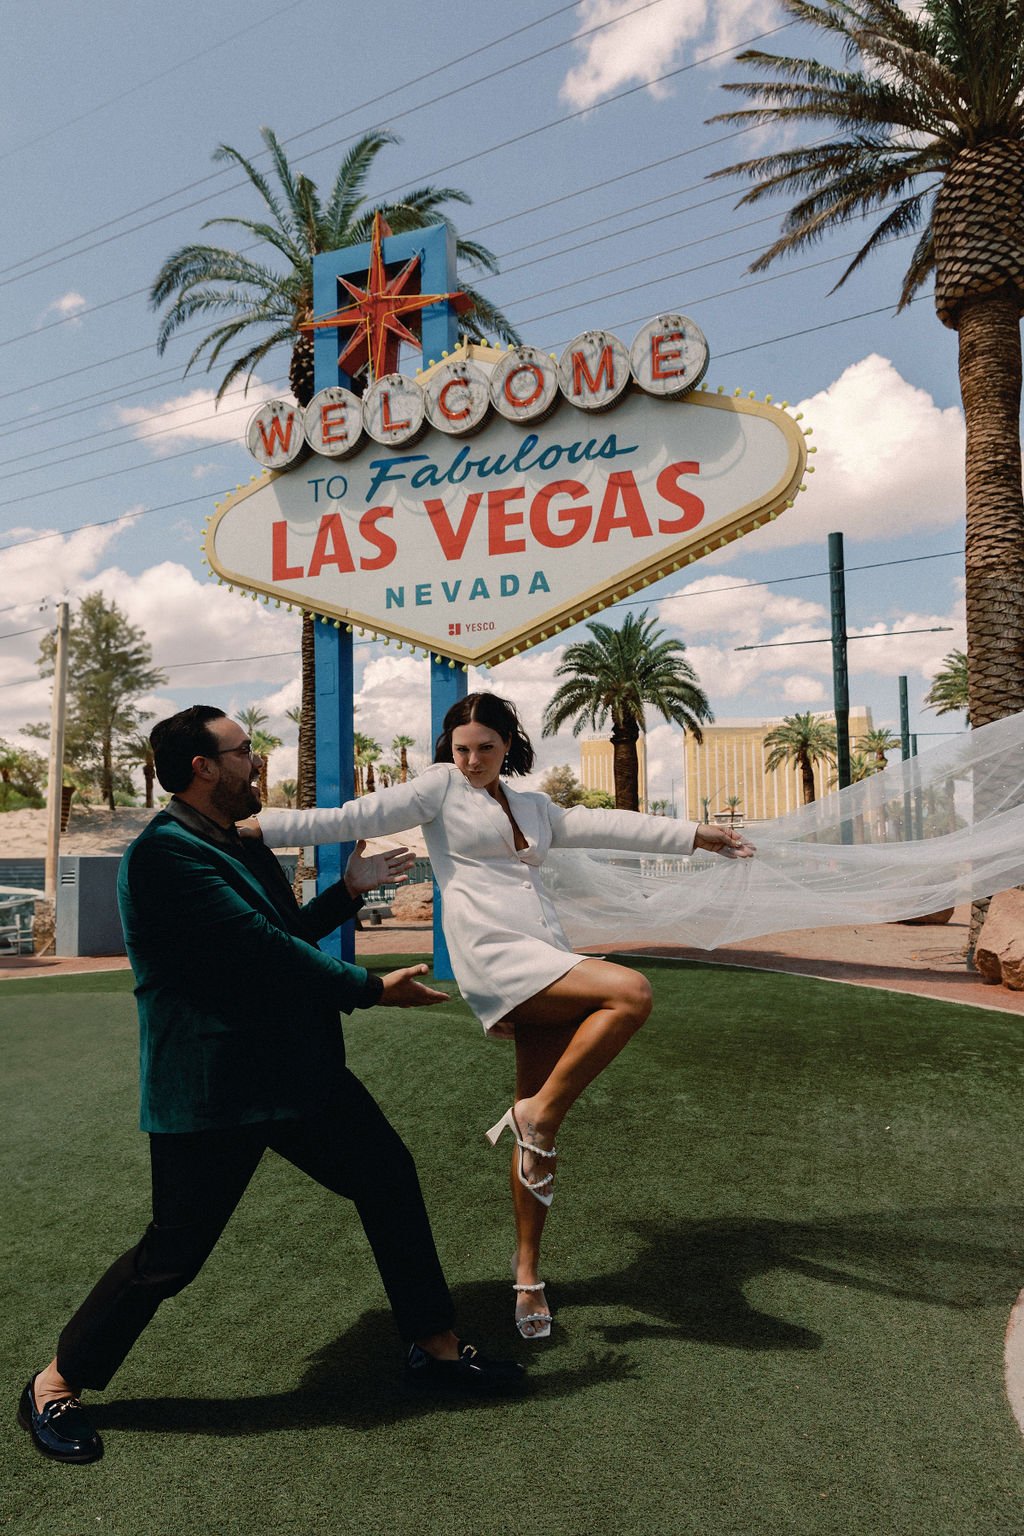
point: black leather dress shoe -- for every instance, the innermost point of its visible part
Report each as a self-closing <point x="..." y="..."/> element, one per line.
<point x="472" y="1372"/>
<point x="62" y="1430"/>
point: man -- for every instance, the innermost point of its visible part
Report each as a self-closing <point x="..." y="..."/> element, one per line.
<point x="242" y="1049"/>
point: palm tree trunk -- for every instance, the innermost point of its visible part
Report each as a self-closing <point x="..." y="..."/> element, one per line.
<point x="807" y="777"/>
<point x="625" y="766"/>
<point x="307" y="722"/>
<point x="990" y="384"/>
<point x="108" y="774"/>
<point x="149" y="774"/>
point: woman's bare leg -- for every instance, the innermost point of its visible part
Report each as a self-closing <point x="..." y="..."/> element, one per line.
<point x="605" y="1005"/>
<point x="565" y="1036"/>
<point x="538" y="1050"/>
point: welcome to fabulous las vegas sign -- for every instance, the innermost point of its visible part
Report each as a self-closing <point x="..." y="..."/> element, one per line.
<point x="501" y="496"/>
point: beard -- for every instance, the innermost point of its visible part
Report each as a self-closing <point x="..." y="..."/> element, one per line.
<point x="236" y="802"/>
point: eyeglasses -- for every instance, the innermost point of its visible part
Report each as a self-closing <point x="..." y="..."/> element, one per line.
<point x="244" y="749"/>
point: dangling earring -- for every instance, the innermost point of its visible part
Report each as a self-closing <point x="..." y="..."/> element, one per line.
<point x="504" y="766"/>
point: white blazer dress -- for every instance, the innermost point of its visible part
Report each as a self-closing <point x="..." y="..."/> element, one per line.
<point x="503" y="933"/>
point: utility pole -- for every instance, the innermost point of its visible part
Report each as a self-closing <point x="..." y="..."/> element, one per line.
<point x="904" y="720"/>
<point x="840" y="670"/>
<point x="905" y="748"/>
<point x="55" y="774"/>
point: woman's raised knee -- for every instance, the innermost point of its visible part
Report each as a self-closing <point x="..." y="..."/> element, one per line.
<point x="634" y="996"/>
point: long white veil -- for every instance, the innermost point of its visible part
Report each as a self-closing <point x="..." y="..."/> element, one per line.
<point x="940" y="829"/>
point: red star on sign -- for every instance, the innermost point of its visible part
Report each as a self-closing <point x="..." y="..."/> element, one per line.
<point x="377" y="331"/>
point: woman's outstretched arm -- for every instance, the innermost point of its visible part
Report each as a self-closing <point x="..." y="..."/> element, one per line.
<point x="579" y="827"/>
<point x="385" y="812"/>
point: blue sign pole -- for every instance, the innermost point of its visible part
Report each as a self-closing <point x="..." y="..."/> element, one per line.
<point x="335" y="672"/>
<point x="335" y="759"/>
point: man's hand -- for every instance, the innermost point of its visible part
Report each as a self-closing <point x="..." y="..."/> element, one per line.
<point x="731" y="845"/>
<point x="387" y="868"/>
<point x="402" y="990"/>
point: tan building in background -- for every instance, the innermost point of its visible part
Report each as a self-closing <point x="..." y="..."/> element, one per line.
<point x="730" y="761"/>
<point x="597" y="771"/>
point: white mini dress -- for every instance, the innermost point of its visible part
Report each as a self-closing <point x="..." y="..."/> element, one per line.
<point x="504" y="936"/>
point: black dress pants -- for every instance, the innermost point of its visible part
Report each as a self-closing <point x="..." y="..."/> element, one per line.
<point x="198" y="1179"/>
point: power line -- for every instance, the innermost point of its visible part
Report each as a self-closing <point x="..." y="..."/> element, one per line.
<point x="39" y="138"/>
<point x="221" y="661"/>
<point x="707" y="298"/>
<point x="261" y="154"/>
<point x="141" y="437"/>
<point x="169" y="458"/>
<point x="40" y="266"/>
<point x="769" y="645"/>
<point x="13" y="634"/>
<point x="776" y="581"/>
<point x="771" y="341"/>
<point x="543" y="293"/>
<point x="106" y="522"/>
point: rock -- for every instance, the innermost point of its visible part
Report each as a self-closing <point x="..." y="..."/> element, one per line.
<point x="999" y="953"/>
<point x="413" y="903"/>
<point x="929" y="917"/>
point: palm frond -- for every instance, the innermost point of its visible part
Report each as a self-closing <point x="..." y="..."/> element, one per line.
<point x="346" y="195"/>
<point x="259" y="181"/>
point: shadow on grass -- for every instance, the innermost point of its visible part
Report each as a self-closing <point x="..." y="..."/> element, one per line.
<point x="687" y="1282"/>
<point x="691" y="1275"/>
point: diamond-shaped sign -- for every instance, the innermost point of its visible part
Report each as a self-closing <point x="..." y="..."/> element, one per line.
<point x="478" y="547"/>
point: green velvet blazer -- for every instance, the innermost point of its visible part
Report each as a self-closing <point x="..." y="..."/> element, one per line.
<point x="238" y="1008"/>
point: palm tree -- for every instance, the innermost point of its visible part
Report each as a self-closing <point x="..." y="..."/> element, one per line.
<point x="400" y="746"/>
<point x="367" y="752"/>
<point x="949" y="691"/>
<point x="861" y="767"/>
<point x="267" y="304"/>
<point x="137" y="750"/>
<point x="802" y="740"/>
<point x="733" y="803"/>
<point x="263" y="743"/>
<point x="612" y="677"/>
<point x="928" y="132"/>
<point x="879" y="741"/>
<point x="371" y="754"/>
<point x="252" y="718"/>
<point x="305" y="765"/>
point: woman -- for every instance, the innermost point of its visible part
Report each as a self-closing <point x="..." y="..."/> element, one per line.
<point x="569" y="1014"/>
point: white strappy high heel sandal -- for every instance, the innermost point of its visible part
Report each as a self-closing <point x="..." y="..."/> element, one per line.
<point x="541" y="1188"/>
<point x="538" y="1323"/>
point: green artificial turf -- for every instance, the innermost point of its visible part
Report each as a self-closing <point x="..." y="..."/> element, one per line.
<point x="787" y="1237"/>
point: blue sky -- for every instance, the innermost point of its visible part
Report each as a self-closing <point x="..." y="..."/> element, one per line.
<point x="585" y="151"/>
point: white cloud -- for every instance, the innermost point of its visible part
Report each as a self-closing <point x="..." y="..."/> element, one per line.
<point x="187" y="620"/>
<point x="715" y="614"/>
<point x="649" y="43"/>
<point x="889" y="462"/>
<point x="68" y="307"/>
<point x="805" y="692"/>
<point x="196" y="418"/>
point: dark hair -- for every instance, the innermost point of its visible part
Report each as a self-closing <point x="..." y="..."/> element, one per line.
<point x="497" y="715"/>
<point x="180" y="738"/>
